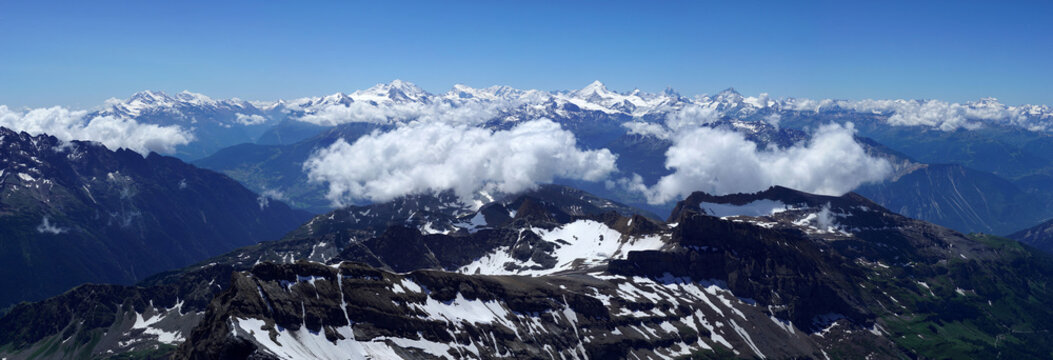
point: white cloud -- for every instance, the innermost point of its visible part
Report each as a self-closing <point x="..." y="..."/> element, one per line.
<point x="112" y="132"/>
<point x="469" y="112"/>
<point x="797" y="104"/>
<point x="265" y="197"/>
<point x="253" y="119"/>
<point x="933" y="113"/>
<point x="46" y="227"/>
<point x="826" y="219"/>
<point x="773" y="119"/>
<point x="945" y="116"/>
<point x="648" y="129"/>
<point x="424" y="157"/>
<point x="692" y="116"/>
<point x="723" y="162"/>
<point x="689" y="117"/>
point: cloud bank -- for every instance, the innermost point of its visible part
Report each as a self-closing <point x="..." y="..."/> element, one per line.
<point x="474" y="112"/>
<point x="689" y="117"/>
<point x="933" y="113"/>
<point x="428" y="157"/>
<point x="941" y="115"/>
<point x="722" y="162"/>
<point x="112" y="132"/>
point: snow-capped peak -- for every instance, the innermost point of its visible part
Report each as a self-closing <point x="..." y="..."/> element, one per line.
<point x="461" y="92"/>
<point x="729" y="93"/>
<point x="512" y="104"/>
<point x="396" y="91"/>
<point x="149" y="97"/>
<point x="143" y="100"/>
<point x="194" y="98"/>
<point x="596" y="96"/>
<point x="594" y="88"/>
<point x="403" y="85"/>
<point x="338" y="98"/>
<point x="988" y="102"/>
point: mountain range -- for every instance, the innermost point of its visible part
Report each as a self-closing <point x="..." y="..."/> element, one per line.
<point x="775" y="274"/>
<point x="400" y="101"/>
<point x="235" y="249"/>
<point x="264" y="144"/>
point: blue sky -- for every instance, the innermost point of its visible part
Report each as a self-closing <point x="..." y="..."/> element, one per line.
<point x="79" y="53"/>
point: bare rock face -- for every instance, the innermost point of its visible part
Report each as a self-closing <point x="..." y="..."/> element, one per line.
<point x="430" y="314"/>
<point x="1039" y="236"/>
<point x="772" y="267"/>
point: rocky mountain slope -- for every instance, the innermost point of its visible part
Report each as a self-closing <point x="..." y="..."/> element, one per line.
<point x="1040" y="236"/>
<point x="781" y="274"/>
<point x="76" y="212"/>
<point x="775" y="274"/>
<point x="158" y="312"/>
<point x="960" y="198"/>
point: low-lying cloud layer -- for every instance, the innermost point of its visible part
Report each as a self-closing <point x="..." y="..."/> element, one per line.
<point x="690" y="116"/>
<point x="384" y="113"/>
<point x="942" y="115"/>
<point x="425" y="157"/>
<point x="722" y="162"/>
<point x="938" y="114"/>
<point x="112" y="132"/>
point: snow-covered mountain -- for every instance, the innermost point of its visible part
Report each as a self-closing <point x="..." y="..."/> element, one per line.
<point x="511" y="104"/>
<point x="218" y="123"/>
<point x="146" y="102"/>
<point x="639" y="104"/>
<point x="1016" y="140"/>
<point x="214" y="124"/>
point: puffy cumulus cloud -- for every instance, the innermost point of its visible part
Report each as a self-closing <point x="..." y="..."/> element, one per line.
<point x="723" y="162"/>
<point x="384" y="113"/>
<point x="112" y="132"/>
<point x="427" y="157"/>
